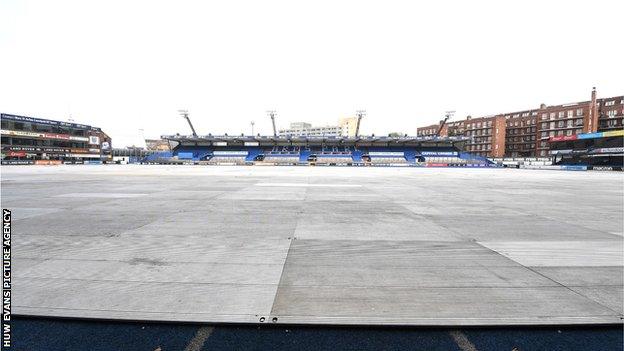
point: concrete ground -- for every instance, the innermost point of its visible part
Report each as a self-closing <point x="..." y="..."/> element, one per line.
<point x="324" y="245"/>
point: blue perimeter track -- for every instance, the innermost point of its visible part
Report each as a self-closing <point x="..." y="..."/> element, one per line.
<point x="68" y="334"/>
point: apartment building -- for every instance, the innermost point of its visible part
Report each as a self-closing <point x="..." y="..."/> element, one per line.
<point x="432" y="130"/>
<point x="527" y="133"/>
<point x="611" y="113"/>
<point x="521" y="134"/>
<point x="487" y="135"/>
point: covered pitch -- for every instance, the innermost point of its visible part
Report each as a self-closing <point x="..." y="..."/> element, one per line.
<point x="328" y="245"/>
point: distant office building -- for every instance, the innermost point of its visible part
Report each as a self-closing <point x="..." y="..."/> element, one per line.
<point x="346" y="127"/>
<point x="29" y="140"/>
<point x="300" y="126"/>
<point x="527" y="133"/>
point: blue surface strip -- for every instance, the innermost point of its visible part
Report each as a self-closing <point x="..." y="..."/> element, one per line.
<point x="63" y="334"/>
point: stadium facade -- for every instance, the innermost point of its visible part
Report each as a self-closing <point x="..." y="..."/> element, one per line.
<point x="528" y="133"/>
<point x="360" y="151"/>
<point x="30" y="140"/>
<point x="599" y="150"/>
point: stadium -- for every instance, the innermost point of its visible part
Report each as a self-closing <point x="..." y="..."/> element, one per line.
<point x="394" y="232"/>
<point x="364" y="175"/>
<point x="336" y="151"/>
<point x="30" y="140"/>
<point x="600" y="150"/>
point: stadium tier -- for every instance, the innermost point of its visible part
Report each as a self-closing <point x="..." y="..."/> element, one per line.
<point x="596" y="150"/>
<point x="335" y="151"/>
<point x="29" y="140"/>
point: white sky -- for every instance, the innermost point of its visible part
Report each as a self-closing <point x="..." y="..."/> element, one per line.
<point x="130" y="65"/>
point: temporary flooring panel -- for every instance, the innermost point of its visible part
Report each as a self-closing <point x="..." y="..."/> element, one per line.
<point x="326" y="245"/>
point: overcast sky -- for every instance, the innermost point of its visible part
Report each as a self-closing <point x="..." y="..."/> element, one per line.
<point x="130" y="65"/>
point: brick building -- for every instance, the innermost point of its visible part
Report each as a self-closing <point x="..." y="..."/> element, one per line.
<point x="521" y="135"/>
<point x="432" y="130"/>
<point x="527" y="133"/>
<point x="487" y="135"/>
<point x="611" y="113"/>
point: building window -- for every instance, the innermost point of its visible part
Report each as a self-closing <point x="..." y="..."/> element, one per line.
<point x="579" y="112"/>
<point x="561" y="114"/>
<point x="610" y="103"/>
<point x="611" y="113"/>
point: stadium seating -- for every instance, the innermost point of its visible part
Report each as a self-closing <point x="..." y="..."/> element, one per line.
<point x="335" y="155"/>
<point x="282" y="159"/>
<point x="388" y="160"/>
<point x="157" y="157"/>
<point x="334" y="159"/>
<point x="253" y="154"/>
<point x="237" y="160"/>
<point x="457" y="161"/>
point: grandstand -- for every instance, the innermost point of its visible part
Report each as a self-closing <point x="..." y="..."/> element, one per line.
<point x="326" y="151"/>
<point x="600" y="150"/>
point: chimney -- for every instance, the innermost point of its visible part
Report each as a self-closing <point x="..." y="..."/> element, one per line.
<point x="592" y="121"/>
<point x="468" y="117"/>
<point x="542" y="106"/>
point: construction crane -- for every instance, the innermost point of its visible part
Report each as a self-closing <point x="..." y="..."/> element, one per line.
<point x="360" y="114"/>
<point x="185" y="115"/>
<point x="447" y="115"/>
<point x="272" y="113"/>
